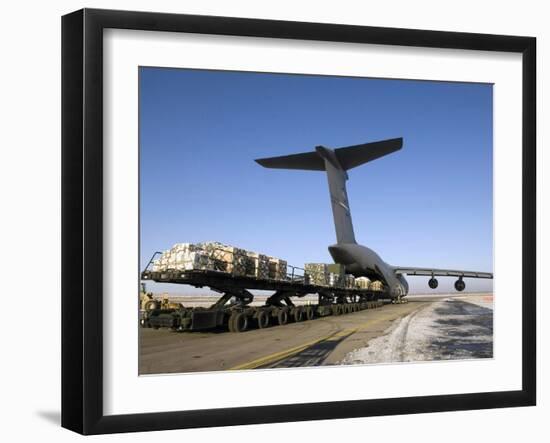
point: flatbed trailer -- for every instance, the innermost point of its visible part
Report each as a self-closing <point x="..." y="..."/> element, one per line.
<point x="233" y="312"/>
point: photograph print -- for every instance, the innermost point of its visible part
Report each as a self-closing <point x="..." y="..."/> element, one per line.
<point x="297" y="221"/>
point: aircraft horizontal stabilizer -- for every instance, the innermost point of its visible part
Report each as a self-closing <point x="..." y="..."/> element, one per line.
<point x="347" y="157"/>
<point x="310" y="161"/>
<point x="353" y="156"/>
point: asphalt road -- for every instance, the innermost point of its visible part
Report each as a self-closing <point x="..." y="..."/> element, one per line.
<point x="323" y="341"/>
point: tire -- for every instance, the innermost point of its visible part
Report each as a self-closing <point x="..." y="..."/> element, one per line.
<point x="310" y="313"/>
<point x="151" y="305"/>
<point x="238" y="322"/>
<point x="230" y="323"/>
<point x="282" y="317"/>
<point x="263" y="319"/>
<point x="297" y="315"/>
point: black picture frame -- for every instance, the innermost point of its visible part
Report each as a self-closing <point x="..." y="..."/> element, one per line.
<point x="82" y="215"/>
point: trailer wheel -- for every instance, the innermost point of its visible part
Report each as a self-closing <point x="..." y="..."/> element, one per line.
<point x="282" y="317"/>
<point x="310" y="313"/>
<point x="238" y="322"/>
<point x="297" y="314"/>
<point x="263" y="319"/>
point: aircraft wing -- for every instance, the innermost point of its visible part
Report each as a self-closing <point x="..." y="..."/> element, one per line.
<point x="441" y="272"/>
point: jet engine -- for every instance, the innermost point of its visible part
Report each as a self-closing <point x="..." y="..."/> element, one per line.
<point x="433" y="283"/>
<point x="460" y="285"/>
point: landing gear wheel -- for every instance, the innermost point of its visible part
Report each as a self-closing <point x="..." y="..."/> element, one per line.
<point x="282" y="317"/>
<point x="238" y="322"/>
<point x="310" y="313"/>
<point x="263" y="319"/>
<point x="297" y="315"/>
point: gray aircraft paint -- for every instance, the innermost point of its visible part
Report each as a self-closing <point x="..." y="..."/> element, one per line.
<point x="358" y="260"/>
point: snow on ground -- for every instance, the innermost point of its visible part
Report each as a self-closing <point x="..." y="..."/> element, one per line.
<point x="444" y="330"/>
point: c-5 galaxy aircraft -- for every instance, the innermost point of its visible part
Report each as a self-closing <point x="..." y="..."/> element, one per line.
<point x="360" y="260"/>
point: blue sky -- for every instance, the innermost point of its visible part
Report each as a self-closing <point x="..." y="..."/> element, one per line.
<point x="428" y="205"/>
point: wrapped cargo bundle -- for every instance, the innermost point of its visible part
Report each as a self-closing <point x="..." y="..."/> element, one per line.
<point x="157" y="266"/>
<point x="215" y="256"/>
<point x="184" y="257"/>
<point x="260" y="265"/>
<point x="221" y="255"/>
<point x="349" y="281"/>
<point x="277" y="268"/>
<point x="317" y="274"/>
<point x="336" y="268"/>
<point x="376" y="285"/>
<point x="225" y="258"/>
<point x="362" y="283"/>
<point x="187" y="256"/>
<point x="337" y="274"/>
<point x="335" y="280"/>
<point x="242" y="263"/>
<point x="282" y="273"/>
<point x="235" y="261"/>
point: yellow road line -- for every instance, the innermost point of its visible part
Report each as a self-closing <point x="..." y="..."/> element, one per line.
<point x="271" y="358"/>
<point x="278" y="355"/>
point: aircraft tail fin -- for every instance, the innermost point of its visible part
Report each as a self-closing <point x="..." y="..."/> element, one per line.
<point x="336" y="162"/>
<point x="347" y="158"/>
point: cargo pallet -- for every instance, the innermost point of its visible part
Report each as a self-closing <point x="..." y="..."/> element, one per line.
<point x="233" y="312"/>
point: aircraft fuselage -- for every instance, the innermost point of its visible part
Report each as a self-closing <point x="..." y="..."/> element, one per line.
<point x="361" y="261"/>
